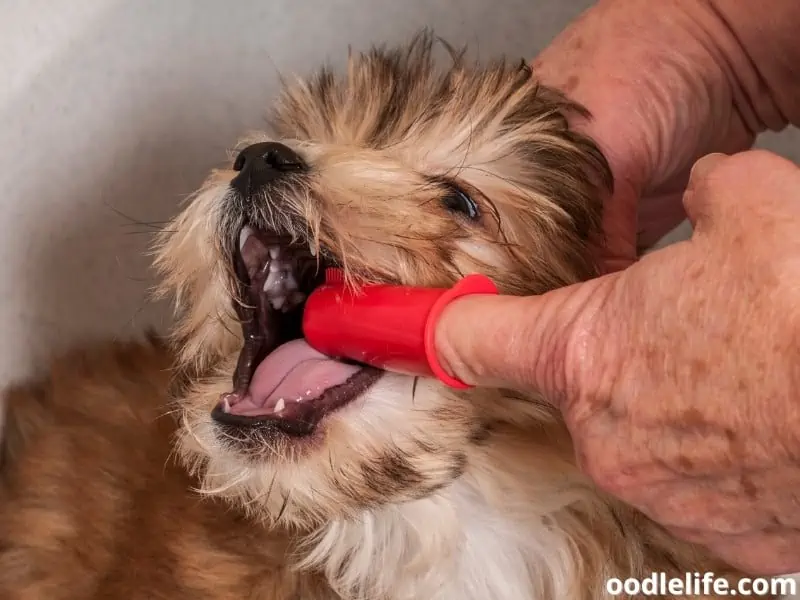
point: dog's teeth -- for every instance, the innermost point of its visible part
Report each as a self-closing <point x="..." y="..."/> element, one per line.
<point x="275" y="266"/>
<point x="278" y="283"/>
<point x="277" y="303"/>
<point x="280" y="405"/>
<point x="274" y="252"/>
<point x="271" y="282"/>
<point x="247" y="231"/>
<point x="313" y="249"/>
<point x="226" y="404"/>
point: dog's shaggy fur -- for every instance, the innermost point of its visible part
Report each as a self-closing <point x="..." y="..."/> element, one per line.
<point x="414" y="491"/>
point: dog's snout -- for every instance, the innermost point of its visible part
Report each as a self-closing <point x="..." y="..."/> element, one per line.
<point x="263" y="163"/>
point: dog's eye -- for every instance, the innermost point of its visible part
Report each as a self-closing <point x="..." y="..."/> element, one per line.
<point x="457" y="200"/>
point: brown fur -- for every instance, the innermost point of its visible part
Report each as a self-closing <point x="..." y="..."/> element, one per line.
<point x="414" y="491"/>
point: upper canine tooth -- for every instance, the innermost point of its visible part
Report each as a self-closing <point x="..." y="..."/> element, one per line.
<point x="247" y="231"/>
<point x="312" y="248"/>
<point x="274" y="252"/>
<point x="280" y="405"/>
<point x="277" y="303"/>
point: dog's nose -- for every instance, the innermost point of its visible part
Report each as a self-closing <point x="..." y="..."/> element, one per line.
<point x="264" y="163"/>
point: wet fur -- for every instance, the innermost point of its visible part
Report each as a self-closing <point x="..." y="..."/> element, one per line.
<point x="113" y="488"/>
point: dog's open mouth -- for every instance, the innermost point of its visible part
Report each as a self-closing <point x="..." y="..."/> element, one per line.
<point x="279" y="378"/>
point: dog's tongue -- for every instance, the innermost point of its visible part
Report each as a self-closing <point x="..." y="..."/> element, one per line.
<point x="292" y="373"/>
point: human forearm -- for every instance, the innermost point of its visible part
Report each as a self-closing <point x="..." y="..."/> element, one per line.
<point x="668" y="82"/>
<point x="759" y="41"/>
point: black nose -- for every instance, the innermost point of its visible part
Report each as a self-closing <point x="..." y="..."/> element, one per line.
<point x="262" y="164"/>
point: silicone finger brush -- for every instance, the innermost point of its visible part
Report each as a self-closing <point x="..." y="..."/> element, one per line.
<point x="385" y="326"/>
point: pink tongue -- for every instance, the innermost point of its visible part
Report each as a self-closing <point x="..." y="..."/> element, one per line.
<point x="295" y="371"/>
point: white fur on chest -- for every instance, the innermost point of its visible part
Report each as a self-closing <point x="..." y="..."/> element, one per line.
<point x="452" y="546"/>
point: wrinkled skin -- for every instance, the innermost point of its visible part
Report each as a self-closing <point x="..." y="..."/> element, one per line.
<point x="662" y="93"/>
<point x="678" y="375"/>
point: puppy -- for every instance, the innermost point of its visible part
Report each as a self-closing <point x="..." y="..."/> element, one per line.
<point x="239" y="463"/>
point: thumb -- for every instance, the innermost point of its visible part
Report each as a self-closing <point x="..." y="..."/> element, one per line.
<point x="695" y="203"/>
<point x="524" y="343"/>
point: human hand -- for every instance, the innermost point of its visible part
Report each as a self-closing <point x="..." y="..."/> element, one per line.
<point x="666" y="87"/>
<point x="678" y="377"/>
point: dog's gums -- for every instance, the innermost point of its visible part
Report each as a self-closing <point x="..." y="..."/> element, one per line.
<point x="279" y="378"/>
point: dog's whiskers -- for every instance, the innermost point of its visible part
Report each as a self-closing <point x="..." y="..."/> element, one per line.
<point x="152" y="225"/>
<point x="230" y="483"/>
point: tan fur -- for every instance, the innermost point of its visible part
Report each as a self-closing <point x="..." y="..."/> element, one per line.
<point x="412" y="491"/>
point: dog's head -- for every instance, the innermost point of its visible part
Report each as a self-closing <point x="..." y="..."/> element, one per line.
<point x="397" y="172"/>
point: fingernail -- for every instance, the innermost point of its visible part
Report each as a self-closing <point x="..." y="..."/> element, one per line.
<point x="704" y="165"/>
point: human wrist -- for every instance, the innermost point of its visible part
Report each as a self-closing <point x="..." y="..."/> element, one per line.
<point x="761" y="58"/>
<point x="748" y="47"/>
<point x="715" y="74"/>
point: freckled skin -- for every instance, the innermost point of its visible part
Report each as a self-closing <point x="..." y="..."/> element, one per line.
<point x="704" y="324"/>
<point x="751" y="491"/>
<point x="682" y="396"/>
<point x="707" y="445"/>
<point x="571" y="83"/>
